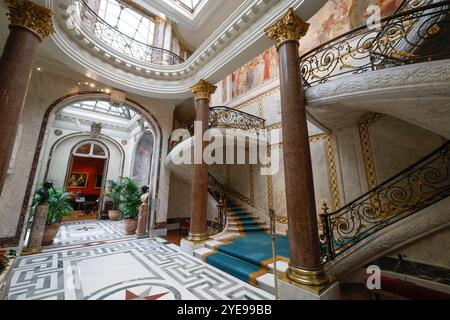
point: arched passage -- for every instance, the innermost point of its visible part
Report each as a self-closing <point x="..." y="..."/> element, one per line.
<point x="41" y="161"/>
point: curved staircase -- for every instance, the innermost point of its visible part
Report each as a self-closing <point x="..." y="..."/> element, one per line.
<point x="244" y="249"/>
<point x="240" y="220"/>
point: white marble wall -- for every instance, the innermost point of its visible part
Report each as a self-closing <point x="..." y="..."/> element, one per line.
<point x="433" y="250"/>
<point x="396" y="144"/>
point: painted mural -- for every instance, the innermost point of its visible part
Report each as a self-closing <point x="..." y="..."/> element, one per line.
<point x="333" y="19"/>
<point x="339" y="16"/>
<point x="258" y="71"/>
<point x="143" y="159"/>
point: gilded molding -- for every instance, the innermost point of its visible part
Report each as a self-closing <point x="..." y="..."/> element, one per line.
<point x="290" y="27"/>
<point x="332" y="173"/>
<point x="251" y="185"/>
<point x="269" y="181"/>
<point x="203" y="90"/>
<point x="366" y="145"/>
<point x="258" y="99"/>
<point x="331" y="169"/>
<point x="281" y="219"/>
<point x="28" y="15"/>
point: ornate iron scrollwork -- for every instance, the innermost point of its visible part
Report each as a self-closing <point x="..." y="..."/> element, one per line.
<point x="122" y="43"/>
<point x="224" y="117"/>
<point x="417" y="32"/>
<point x="415" y="188"/>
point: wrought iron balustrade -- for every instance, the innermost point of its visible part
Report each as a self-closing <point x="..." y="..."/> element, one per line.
<point x="224" y="117"/>
<point x="417" y="32"/>
<point x="217" y="190"/>
<point x="121" y="42"/>
<point x="415" y="188"/>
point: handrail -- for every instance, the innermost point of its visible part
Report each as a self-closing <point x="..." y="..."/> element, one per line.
<point x="145" y="52"/>
<point x="224" y="117"/>
<point x="415" y="35"/>
<point x="217" y="190"/>
<point x="422" y="184"/>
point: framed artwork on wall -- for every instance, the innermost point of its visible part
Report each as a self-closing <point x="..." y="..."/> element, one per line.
<point x="98" y="181"/>
<point x="77" y="180"/>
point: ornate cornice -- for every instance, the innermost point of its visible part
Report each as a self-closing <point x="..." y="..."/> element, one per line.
<point x="290" y="27"/>
<point x="28" y="15"/>
<point x="203" y="90"/>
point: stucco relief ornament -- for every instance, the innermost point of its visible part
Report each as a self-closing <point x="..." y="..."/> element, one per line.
<point x="290" y="27"/>
<point x="28" y="15"/>
<point x="203" y="90"/>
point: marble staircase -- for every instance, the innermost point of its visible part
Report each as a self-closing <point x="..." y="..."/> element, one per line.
<point x="240" y="220"/>
<point x="236" y="263"/>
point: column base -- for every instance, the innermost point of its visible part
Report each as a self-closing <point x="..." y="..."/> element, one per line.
<point x="29" y="251"/>
<point x="307" y="277"/>
<point x="188" y="246"/>
<point x="291" y="290"/>
<point x="197" y="237"/>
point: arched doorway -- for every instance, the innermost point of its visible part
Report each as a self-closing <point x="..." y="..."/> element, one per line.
<point x="85" y="179"/>
<point x="83" y="113"/>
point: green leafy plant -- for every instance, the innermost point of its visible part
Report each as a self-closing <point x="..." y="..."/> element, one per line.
<point x="58" y="206"/>
<point x="115" y="188"/>
<point x="129" y="199"/>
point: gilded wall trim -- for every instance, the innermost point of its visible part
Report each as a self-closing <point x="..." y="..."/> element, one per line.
<point x="258" y="100"/>
<point x="331" y="169"/>
<point x="366" y="145"/>
<point x="251" y="185"/>
<point x="269" y="182"/>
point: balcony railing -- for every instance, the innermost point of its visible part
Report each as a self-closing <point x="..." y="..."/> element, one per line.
<point x="415" y="188"/>
<point x="418" y="31"/>
<point x="122" y="43"/>
<point x="224" y="117"/>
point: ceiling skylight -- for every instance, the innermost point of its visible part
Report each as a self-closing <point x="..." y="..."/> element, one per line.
<point x="104" y="107"/>
<point x="189" y="5"/>
<point x="127" y="21"/>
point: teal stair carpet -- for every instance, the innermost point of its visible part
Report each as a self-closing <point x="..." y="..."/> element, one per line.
<point x="247" y="256"/>
<point x="243" y="221"/>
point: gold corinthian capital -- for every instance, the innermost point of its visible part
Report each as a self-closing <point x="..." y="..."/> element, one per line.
<point x="290" y="27"/>
<point x="203" y="90"/>
<point x="28" y="15"/>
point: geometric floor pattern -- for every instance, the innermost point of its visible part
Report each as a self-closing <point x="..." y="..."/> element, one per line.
<point x="138" y="269"/>
<point x="76" y="232"/>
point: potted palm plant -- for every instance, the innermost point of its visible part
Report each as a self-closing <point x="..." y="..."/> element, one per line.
<point x="115" y="188"/>
<point x="129" y="204"/>
<point x="58" y="206"/>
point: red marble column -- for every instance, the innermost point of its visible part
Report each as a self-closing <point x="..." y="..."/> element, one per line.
<point x="199" y="197"/>
<point x="305" y="263"/>
<point x="30" y="23"/>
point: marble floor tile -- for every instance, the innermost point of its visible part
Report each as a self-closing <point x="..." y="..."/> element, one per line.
<point x="138" y="269"/>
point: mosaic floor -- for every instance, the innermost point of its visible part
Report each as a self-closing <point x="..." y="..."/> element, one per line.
<point x="76" y="232"/>
<point x="139" y="269"/>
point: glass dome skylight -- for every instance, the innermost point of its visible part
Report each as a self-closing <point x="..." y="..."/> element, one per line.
<point x="104" y="107"/>
<point x="125" y="30"/>
<point x="189" y="5"/>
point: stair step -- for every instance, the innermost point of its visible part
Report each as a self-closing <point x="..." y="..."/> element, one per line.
<point x="242" y="218"/>
<point x="248" y="228"/>
<point x="201" y="251"/>
<point x="233" y="266"/>
<point x="239" y="213"/>
<point x="245" y="223"/>
<point x="212" y="244"/>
